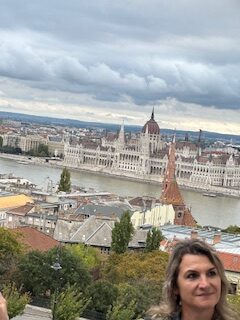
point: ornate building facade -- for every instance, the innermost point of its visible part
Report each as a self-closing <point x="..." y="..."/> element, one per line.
<point x="144" y="157"/>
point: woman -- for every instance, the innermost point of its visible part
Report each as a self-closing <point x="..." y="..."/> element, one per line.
<point x="3" y="308"/>
<point x="195" y="286"/>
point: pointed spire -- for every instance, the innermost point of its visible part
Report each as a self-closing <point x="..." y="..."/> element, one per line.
<point x="170" y="191"/>
<point x="152" y="116"/>
<point x="121" y="135"/>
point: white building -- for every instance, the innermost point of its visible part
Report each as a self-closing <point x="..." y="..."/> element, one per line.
<point x="146" y="158"/>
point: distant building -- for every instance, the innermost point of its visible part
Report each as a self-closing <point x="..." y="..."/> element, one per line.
<point x="144" y="156"/>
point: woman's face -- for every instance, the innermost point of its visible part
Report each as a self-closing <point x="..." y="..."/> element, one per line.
<point x="199" y="284"/>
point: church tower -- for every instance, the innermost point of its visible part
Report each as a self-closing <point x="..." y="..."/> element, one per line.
<point x="171" y="193"/>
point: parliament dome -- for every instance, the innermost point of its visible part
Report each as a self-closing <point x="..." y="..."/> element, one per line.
<point x="151" y="126"/>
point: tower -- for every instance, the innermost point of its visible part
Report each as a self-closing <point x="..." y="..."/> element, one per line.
<point x="171" y="193"/>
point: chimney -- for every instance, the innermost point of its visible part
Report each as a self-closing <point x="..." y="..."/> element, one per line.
<point x="194" y="234"/>
<point x="217" y="238"/>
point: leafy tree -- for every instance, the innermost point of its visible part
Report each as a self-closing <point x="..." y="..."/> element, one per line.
<point x="69" y="304"/>
<point x="122" y="312"/>
<point x="34" y="273"/>
<point x="232" y="229"/>
<point x="102" y="294"/>
<point x="1" y="141"/>
<point x="65" y="181"/>
<point x="38" y="277"/>
<point x="89" y="255"/>
<point x="10" y="251"/>
<point x="16" y="301"/>
<point x="154" y="237"/>
<point x="122" y="233"/>
<point x="42" y="150"/>
<point x="132" y="267"/>
<point x="11" y="150"/>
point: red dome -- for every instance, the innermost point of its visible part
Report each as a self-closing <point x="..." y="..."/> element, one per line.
<point x="151" y="126"/>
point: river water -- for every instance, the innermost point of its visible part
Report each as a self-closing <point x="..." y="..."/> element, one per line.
<point x="221" y="211"/>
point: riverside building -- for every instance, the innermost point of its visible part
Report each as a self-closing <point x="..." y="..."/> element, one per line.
<point x="145" y="157"/>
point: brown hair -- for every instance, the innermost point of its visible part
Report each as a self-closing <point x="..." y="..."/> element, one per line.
<point x="170" y="304"/>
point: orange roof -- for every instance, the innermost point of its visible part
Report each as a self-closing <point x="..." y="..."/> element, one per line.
<point x="172" y="194"/>
<point x="230" y="261"/>
<point x="34" y="239"/>
<point x="12" y="201"/>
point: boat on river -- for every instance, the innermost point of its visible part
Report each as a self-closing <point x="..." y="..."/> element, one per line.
<point x="207" y="194"/>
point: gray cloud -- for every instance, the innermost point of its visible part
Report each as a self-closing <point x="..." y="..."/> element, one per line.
<point x="132" y="52"/>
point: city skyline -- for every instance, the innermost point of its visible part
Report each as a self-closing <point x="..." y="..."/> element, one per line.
<point x="109" y="62"/>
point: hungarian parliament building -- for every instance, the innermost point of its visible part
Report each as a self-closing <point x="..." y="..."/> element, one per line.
<point x="144" y="156"/>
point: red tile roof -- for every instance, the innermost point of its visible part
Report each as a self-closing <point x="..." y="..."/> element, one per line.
<point x="230" y="261"/>
<point x="35" y="239"/>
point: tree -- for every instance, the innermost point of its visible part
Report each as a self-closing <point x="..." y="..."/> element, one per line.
<point x="154" y="237"/>
<point x="102" y="294"/>
<point x="16" y="301"/>
<point x="65" y="181"/>
<point x="122" y="233"/>
<point x="89" y="255"/>
<point x="38" y="277"/>
<point x="70" y="304"/>
<point x="10" y="251"/>
<point x="1" y="141"/>
<point x="122" y="312"/>
<point x="135" y="267"/>
<point x="232" y="229"/>
<point x="42" y="150"/>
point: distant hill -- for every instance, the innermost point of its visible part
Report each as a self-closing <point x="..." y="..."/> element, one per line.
<point x="112" y="127"/>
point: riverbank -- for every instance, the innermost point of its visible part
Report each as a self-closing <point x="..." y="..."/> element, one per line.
<point x="186" y="185"/>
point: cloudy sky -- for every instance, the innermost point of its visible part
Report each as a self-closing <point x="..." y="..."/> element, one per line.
<point x="113" y="60"/>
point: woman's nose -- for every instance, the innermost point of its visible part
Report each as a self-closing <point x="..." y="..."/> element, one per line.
<point x="203" y="281"/>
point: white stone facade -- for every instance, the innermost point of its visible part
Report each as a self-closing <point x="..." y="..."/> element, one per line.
<point x="146" y="159"/>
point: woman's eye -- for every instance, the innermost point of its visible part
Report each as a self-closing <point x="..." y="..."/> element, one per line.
<point x="192" y="276"/>
<point x="212" y="273"/>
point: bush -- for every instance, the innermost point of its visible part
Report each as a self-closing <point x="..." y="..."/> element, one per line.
<point x="16" y="301"/>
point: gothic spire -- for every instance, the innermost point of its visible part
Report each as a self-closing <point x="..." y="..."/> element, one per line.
<point x="152" y="116"/>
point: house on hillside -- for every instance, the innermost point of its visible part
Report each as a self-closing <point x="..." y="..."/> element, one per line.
<point x="96" y="231"/>
<point x="33" y="239"/>
<point x="9" y="201"/>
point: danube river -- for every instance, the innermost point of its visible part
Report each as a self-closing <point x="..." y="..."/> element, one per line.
<point x="220" y="211"/>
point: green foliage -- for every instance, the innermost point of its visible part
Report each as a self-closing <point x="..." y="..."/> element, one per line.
<point x="154" y="237"/>
<point x="132" y="267"/>
<point x="121" y="311"/>
<point x="34" y="273"/>
<point x="65" y="181"/>
<point x="42" y="150"/>
<point x="11" y="150"/>
<point x="102" y="294"/>
<point x="122" y="233"/>
<point x="232" y="229"/>
<point x="69" y="304"/>
<point x="10" y="251"/>
<point x="37" y="276"/>
<point x="16" y="301"/>
<point x="89" y="255"/>
<point x="1" y="141"/>
<point x="234" y="302"/>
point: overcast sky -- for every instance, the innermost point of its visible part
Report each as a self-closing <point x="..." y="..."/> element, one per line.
<point x="110" y="61"/>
